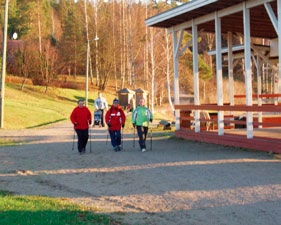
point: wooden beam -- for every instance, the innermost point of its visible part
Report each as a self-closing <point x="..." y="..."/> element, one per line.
<point x="237" y="108"/>
<point x="261" y="96"/>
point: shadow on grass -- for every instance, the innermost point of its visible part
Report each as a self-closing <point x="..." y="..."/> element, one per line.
<point x="48" y="123"/>
<point x="90" y="101"/>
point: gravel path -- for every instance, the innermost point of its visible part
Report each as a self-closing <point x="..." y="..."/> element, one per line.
<point x="177" y="183"/>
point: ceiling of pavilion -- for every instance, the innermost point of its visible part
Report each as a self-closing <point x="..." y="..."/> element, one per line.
<point x="260" y="24"/>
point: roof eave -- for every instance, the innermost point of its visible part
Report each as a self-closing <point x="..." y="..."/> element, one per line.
<point x="189" y="6"/>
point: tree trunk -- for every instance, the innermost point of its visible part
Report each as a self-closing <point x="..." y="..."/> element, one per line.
<point x="146" y="51"/>
<point x="23" y="83"/>
<point x="152" y="68"/>
<point x="114" y="47"/>
<point x="168" y="58"/>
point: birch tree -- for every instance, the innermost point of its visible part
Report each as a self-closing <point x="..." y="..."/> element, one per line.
<point x="168" y="52"/>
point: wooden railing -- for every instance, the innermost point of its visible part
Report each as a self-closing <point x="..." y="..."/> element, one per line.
<point x="260" y="96"/>
<point x="271" y="122"/>
<point x="235" y="108"/>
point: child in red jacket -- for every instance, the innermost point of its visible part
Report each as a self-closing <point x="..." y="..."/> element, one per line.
<point x="115" y="119"/>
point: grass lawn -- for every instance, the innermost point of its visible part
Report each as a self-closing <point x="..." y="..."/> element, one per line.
<point x="32" y="107"/>
<point x="27" y="210"/>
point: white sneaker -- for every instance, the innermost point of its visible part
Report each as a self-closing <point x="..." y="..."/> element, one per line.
<point x="143" y="150"/>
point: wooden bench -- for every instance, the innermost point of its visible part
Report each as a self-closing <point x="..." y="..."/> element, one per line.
<point x="207" y="120"/>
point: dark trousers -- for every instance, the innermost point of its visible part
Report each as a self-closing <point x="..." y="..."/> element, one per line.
<point x="115" y="136"/>
<point x="83" y="136"/>
<point x="142" y="133"/>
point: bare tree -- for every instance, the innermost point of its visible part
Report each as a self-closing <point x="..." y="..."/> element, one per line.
<point x="152" y="61"/>
<point x="168" y="60"/>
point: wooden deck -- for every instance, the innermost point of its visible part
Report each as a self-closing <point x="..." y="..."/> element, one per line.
<point x="265" y="139"/>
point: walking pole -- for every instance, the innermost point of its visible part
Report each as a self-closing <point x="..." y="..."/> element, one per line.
<point x="107" y="137"/>
<point x="151" y="139"/>
<point x="73" y="140"/>
<point x="90" y="140"/>
<point x="122" y="137"/>
<point x="134" y="136"/>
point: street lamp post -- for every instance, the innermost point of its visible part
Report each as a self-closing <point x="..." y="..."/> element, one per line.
<point x="96" y="40"/>
<point x="4" y="51"/>
<point x="87" y="52"/>
<point x="87" y="67"/>
<point x="97" y="63"/>
<point x="87" y="72"/>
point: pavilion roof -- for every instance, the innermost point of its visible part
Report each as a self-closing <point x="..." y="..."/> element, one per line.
<point x="232" y="20"/>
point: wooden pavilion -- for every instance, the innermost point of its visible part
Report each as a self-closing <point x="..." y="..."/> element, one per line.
<point x="248" y="19"/>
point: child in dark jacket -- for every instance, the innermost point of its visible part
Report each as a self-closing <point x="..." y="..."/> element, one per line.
<point x="115" y="119"/>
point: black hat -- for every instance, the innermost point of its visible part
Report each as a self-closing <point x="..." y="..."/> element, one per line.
<point x="115" y="101"/>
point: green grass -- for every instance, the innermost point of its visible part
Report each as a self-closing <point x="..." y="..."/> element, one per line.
<point x="31" y="107"/>
<point x="27" y="210"/>
<point x="8" y="142"/>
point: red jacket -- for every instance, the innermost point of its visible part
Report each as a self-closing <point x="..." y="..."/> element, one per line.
<point x="81" y="118"/>
<point x="115" y="116"/>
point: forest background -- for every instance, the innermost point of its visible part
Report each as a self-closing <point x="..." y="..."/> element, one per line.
<point x="55" y="36"/>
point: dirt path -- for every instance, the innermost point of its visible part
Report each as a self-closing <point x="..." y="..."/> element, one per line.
<point x="177" y="183"/>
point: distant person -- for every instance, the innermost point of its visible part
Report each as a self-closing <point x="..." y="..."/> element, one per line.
<point x="81" y="118"/>
<point x="115" y="119"/>
<point x="101" y="105"/>
<point x="140" y="119"/>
